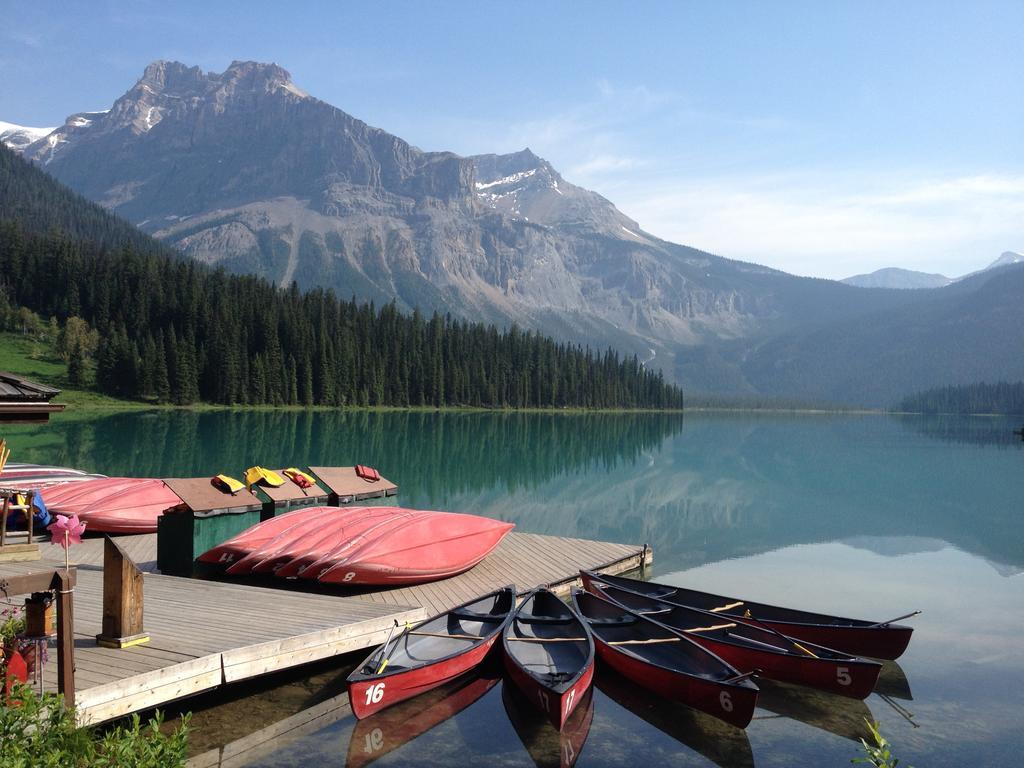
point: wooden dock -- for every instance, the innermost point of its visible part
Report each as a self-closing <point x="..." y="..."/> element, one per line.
<point x="205" y="634"/>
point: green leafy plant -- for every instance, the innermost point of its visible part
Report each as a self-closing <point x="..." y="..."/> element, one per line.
<point x="878" y="754"/>
<point x="36" y="731"/>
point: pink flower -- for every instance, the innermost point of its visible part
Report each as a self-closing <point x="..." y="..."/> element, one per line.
<point x="66" y="530"/>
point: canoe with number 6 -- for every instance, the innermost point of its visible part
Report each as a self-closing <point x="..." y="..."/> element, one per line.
<point x="747" y="646"/>
<point x="430" y="653"/>
<point x="877" y="640"/>
<point x="667" y="662"/>
<point x="549" y="655"/>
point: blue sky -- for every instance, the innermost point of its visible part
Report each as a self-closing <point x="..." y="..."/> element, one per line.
<point x="821" y="138"/>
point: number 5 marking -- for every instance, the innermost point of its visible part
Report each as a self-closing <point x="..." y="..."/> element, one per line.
<point x="843" y="675"/>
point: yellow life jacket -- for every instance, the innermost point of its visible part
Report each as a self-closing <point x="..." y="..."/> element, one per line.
<point x="257" y="475"/>
<point x="228" y="484"/>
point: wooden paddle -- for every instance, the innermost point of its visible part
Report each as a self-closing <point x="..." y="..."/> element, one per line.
<point x="737" y="604"/>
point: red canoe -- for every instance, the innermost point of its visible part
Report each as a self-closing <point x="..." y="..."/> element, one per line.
<point x="325" y="554"/>
<point x="318" y="526"/>
<point x="549" y="655"/>
<point x="423" y="547"/>
<point x="747" y="646"/>
<point x="31" y="477"/>
<point x="113" y="504"/>
<point x="430" y="654"/>
<point x="667" y="662"/>
<point x="879" y="640"/>
<point x="261" y="534"/>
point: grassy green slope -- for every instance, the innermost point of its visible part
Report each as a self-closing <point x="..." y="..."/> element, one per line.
<point x="37" y="361"/>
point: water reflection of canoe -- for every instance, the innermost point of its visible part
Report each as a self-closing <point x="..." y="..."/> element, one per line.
<point x="430" y="654"/>
<point x="893" y="682"/>
<point x="836" y="714"/>
<point x="548" y="747"/>
<point x="748" y="647"/>
<point x="879" y="640"/>
<point x="392" y="728"/>
<point x="719" y="742"/>
<point x="667" y="662"/>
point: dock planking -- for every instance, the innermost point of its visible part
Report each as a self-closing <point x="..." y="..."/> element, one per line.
<point x="205" y="634"/>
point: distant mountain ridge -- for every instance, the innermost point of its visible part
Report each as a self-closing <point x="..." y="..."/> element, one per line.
<point x="245" y="170"/>
<point x="894" y="277"/>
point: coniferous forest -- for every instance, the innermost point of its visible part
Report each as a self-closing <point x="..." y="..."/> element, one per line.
<point x="171" y="330"/>
<point x="1002" y="398"/>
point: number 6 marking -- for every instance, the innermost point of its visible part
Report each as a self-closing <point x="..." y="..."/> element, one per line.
<point x="725" y="701"/>
<point x="843" y="675"/>
<point x="375" y="693"/>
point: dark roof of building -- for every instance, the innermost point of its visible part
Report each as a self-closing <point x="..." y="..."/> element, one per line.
<point x="17" y="389"/>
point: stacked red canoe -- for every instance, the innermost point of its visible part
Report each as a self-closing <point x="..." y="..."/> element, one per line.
<point x="361" y="545"/>
<point x="112" y="504"/>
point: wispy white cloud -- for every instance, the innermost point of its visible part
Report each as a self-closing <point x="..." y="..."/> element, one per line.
<point x="834" y="225"/>
<point x="693" y="175"/>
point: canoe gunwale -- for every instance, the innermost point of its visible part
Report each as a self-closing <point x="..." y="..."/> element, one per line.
<point x="357" y="675"/>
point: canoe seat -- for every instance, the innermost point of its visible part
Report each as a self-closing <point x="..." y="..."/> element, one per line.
<point x="545" y="619"/>
<point x="464" y="613"/>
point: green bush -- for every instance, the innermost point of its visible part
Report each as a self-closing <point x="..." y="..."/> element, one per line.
<point x="878" y="754"/>
<point x="36" y="731"/>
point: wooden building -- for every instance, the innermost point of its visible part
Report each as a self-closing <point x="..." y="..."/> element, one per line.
<point x="24" y="400"/>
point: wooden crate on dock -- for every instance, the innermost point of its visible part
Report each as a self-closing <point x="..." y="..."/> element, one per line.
<point x="345" y="486"/>
<point x="206" y="517"/>
<point x="277" y="501"/>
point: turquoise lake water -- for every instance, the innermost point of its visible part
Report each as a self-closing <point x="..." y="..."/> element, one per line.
<point x="867" y="516"/>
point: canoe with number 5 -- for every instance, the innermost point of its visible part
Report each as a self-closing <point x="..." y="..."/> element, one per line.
<point x="667" y="662"/>
<point x="430" y="653"/>
<point x="549" y="655"/>
<point x="876" y="639"/>
<point x="747" y="646"/>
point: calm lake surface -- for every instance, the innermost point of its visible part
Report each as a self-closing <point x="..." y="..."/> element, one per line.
<point x="868" y="516"/>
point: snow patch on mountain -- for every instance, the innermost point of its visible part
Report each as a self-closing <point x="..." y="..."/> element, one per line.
<point x="17" y="137"/>
<point x="515" y="177"/>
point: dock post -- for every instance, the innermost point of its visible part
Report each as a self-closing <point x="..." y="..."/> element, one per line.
<point x="122" y="599"/>
<point x="65" y="637"/>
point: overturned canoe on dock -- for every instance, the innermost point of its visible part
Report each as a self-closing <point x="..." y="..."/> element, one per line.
<point x="549" y="655"/>
<point x="113" y="504"/>
<point x="361" y="545"/>
<point x="747" y="646"/>
<point x="878" y="640"/>
<point x="667" y="662"/>
<point x="430" y="654"/>
<point x="31" y="477"/>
